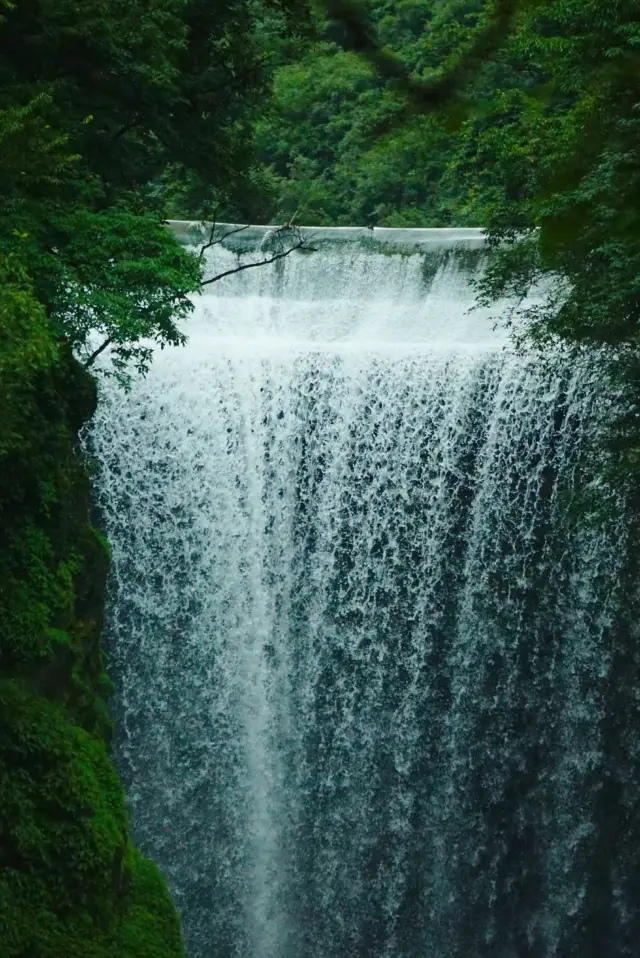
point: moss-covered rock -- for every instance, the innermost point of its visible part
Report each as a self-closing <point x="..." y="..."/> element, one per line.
<point x="71" y="883"/>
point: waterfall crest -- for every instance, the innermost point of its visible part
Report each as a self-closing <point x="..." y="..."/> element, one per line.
<point x="363" y="650"/>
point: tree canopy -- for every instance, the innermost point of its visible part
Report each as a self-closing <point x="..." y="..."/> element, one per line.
<point x="105" y="108"/>
<point x="518" y="117"/>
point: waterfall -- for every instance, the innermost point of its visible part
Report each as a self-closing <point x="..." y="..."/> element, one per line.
<point x="363" y="640"/>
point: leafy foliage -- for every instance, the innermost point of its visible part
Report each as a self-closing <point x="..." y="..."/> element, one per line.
<point x="103" y="105"/>
<point x="108" y="112"/>
<point x="539" y="145"/>
<point x="70" y="882"/>
<point x="562" y="169"/>
<point x="345" y="144"/>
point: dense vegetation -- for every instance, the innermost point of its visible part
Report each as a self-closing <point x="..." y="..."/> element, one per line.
<point x="538" y="143"/>
<point x="520" y="116"/>
<point x="71" y="883"/>
<point x="106" y="110"/>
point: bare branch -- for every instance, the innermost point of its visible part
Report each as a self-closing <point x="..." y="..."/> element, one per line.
<point x="94" y="355"/>
<point x="262" y="262"/>
<point x="240" y="229"/>
<point x="275" y="237"/>
<point x="212" y="241"/>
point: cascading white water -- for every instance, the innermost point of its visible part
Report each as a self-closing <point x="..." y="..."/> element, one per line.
<point x="362" y="650"/>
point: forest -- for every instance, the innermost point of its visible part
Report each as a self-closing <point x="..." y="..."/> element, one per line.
<point x="520" y="117"/>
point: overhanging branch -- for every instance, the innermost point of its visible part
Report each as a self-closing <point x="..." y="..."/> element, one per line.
<point x="276" y="237"/>
<point x="94" y="355"/>
<point x="427" y="95"/>
<point x="263" y="262"/>
<point x="213" y="241"/>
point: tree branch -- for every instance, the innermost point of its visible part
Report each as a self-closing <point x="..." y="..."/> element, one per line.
<point x="211" y="241"/>
<point x="427" y="95"/>
<point x="240" y="229"/>
<point x="262" y="262"/>
<point x="215" y="242"/>
<point x="94" y="355"/>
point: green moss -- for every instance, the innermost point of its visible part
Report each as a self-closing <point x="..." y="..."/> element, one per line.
<point x="149" y="927"/>
<point x="68" y="868"/>
<point x="71" y="883"/>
